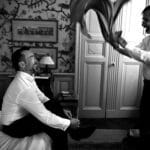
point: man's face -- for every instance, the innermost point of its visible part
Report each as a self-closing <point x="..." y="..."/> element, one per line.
<point x="146" y="21"/>
<point x="31" y="64"/>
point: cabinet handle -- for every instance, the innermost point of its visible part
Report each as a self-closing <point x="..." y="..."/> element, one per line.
<point x="111" y="64"/>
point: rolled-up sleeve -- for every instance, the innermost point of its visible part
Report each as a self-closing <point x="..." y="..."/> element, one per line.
<point x="30" y="102"/>
<point x="139" y="54"/>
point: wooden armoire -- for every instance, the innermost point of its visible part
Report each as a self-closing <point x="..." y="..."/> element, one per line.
<point x="108" y="84"/>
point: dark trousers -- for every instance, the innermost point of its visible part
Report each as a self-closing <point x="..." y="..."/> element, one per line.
<point x="29" y="126"/>
<point x="145" y="116"/>
<point x="145" y="110"/>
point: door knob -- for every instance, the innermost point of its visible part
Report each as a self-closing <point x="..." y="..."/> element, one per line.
<point x="111" y="64"/>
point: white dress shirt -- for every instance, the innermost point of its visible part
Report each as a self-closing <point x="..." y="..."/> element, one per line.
<point x="22" y="97"/>
<point x="142" y="54"/>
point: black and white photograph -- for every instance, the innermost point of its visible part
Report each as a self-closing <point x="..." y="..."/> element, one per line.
<point x="74" y="74"/>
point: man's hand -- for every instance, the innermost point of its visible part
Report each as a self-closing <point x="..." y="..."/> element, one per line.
<point x="68" y="113"/>
<point x="75" y="123"/>
<point x="116" y="40"/>
<point x="119" y="43"/>
<point x="122" y="42"/>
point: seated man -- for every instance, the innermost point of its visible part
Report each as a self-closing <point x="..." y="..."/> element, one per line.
<point x="26" y="111"/>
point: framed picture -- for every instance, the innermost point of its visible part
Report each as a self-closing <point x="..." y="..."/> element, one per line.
<point x="40" y="52"/>
<point x="35" y="30"/>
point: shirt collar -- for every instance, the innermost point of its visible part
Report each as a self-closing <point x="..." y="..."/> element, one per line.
<point x="25" y="76"/>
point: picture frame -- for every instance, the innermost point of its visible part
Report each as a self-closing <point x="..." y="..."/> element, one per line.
<point x="40" y="52"/>
<point x="24" y="30"/>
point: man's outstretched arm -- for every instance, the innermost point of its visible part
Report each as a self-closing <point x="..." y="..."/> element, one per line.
<point x="133" y="52"/>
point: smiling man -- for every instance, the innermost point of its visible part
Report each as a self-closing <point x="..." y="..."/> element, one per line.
<point x="142" y="54"/>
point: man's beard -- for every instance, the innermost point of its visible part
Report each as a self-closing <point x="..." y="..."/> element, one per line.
<point x="36" y="69"/>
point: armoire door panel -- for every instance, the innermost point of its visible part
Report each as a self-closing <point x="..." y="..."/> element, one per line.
<point x="93" y="84"/>
<point x="129" y="92"/>
<point x="130" y="86"/>
<point x="93" y="94"/>
<point x="95" y="48"/>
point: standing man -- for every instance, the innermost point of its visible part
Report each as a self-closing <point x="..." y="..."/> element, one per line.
<point x="27" y="111"/>
<point x="142" y="54"/>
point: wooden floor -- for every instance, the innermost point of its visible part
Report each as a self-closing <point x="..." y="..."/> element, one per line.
<point x="93" y="146"/>
<point x="108" y="131"/>
<point x="109" y="135"/>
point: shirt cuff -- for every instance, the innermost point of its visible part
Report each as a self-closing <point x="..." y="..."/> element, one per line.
<point x="142" y="56"/>
<point x="66" y="124"/>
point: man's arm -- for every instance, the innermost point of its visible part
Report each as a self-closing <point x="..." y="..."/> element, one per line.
<point x="42" y="97"/>
<point x="123" y="51"/>
<point x="30" y="102"/>
<point x="133" y="52"/>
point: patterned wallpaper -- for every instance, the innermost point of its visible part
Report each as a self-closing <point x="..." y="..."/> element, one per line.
<point x="37" y="10"/>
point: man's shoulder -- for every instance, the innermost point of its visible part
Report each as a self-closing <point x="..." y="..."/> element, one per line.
<point x="146" y="38"/>
<point x="145" y="44"/>
<point x="17" y="85"/>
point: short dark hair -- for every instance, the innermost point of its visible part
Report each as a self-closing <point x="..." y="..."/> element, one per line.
<point x="147" y="8"/>
<point x="18" y="56"/>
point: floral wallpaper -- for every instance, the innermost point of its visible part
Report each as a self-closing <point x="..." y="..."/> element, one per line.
<point x="38" y="10"/>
